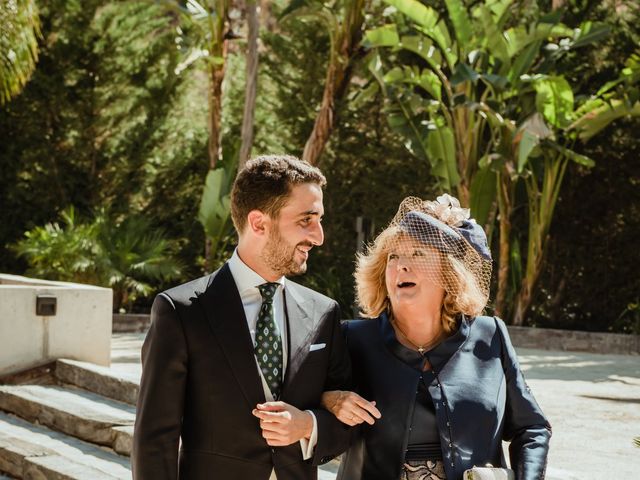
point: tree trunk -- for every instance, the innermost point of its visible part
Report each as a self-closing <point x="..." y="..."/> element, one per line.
<point x="216" y="76"/>
<point x="504" y="218"/>
<point x="523" y="303"/>
<point x="337" y="80"/>
<point x="525" y="295"/>
<point x="253" y="26"/>
<point x="217" y="49"/>
<point x="325" y="120"/>
<point x="267" y="19"/>
<point x="541" y="208"/>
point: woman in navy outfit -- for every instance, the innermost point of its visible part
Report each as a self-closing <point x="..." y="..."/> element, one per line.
<point x="438" y="386"/>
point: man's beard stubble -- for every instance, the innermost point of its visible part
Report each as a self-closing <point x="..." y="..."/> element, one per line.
<point x="279" y="255"/>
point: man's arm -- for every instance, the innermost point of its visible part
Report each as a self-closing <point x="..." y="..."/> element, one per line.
<point x="284" y="424"/>
<point x="333" y="435"/>
<point x="161" y="397"/>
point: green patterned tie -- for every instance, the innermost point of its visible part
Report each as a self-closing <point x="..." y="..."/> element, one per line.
<point x="268" y="345"/>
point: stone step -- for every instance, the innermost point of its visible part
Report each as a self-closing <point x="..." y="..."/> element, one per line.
<point x="101" y="380"/>
<point x="329" y="470"/>
<point x="76" y="412"/>
<point x="35" y="452"/>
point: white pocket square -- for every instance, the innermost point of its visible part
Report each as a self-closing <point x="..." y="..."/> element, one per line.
<point x="317" y="346"/>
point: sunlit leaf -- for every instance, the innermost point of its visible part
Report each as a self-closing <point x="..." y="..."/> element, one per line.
<point x="18" y="46"/>
<point x="589" y="33"/>
<point x="594" y="121"/>
<point x="554" y="99"/>
<point x="574" y="156"/>
<point x="386" y="36"/>
<point x="442" y="156"/>
<point x="482" y="194"/>
<point x="460" y="20"/>
<point x="424" y="16"/>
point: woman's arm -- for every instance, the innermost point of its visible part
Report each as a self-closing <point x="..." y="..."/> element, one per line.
<point x="525" y="425"/>
<point x="350" y="408"/>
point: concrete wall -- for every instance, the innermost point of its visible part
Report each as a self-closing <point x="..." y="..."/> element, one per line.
<point x="522" y="337"/>
<point x="575" y="341"/>
<point x="80" y="330"/>
<point x="131" y="322"/>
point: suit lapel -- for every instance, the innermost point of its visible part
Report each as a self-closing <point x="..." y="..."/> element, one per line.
<point x="302" y="328"/>
<point x="225" y="314"/>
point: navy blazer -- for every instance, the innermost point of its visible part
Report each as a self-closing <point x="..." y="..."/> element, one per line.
<point x="479" y="394"/>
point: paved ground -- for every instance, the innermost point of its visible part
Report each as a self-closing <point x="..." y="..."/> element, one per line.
<point x="592" y="401"/>
<point x="593" y="404"/>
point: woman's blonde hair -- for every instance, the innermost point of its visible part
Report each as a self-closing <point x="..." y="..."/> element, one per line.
<point x="462" y="293"/>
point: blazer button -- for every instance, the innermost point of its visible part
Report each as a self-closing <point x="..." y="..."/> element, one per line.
<point x="450" y="444"/>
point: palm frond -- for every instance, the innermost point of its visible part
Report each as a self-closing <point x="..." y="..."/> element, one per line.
<point x="20" y="27"/>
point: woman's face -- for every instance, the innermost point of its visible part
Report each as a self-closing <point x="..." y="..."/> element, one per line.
<point x="413" y="274"/>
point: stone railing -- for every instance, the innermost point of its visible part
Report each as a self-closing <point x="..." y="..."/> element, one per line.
<point x="41" y="321"/>
<point x="522" y="337"/>
<point x="575" y="341"/>
<point x="131" y="322"/>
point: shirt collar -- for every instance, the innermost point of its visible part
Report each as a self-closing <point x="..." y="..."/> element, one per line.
<point x="246" y="279"/>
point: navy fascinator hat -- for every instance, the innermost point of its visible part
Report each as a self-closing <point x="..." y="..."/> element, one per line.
<point x="445" y="226"/>
<point x="417" y="223"/>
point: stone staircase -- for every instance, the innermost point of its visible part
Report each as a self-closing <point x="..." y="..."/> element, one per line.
<point x="74" y="422"/>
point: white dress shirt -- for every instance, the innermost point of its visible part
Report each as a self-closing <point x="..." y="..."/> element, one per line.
<point x="247" y="282"/>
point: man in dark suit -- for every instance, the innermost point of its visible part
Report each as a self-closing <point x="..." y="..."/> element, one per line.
<point x="234" y="363"/>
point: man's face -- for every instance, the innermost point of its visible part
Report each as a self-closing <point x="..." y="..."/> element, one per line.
<point x="297" y="229"/>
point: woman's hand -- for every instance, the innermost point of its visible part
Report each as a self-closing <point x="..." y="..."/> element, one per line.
<point x="350" y="408"/>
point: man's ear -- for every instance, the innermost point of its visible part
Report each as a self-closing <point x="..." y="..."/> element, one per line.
<point x="257" y="222"/>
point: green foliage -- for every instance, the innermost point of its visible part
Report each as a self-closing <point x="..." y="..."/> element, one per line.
<point x="60" y="252"/>
<point x="19" y="34"/>
<point x="616" y="99"/>
<point x="127" y="255"/>
<point x="479" y="91"/>
<point x="116" y="114"/>
<point x="290" y="82"/>
<point x="629" y="319"/>
<point x="590" y="277"/>
<point x="215" y="208"/>
<point x="105" y="120"/>
<point x="131" y="256"/>
<point x="368" y="171"/>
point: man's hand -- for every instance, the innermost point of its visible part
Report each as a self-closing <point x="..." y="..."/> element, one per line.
<point x="283" y="424"/>
<point x="350" y="408"/>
